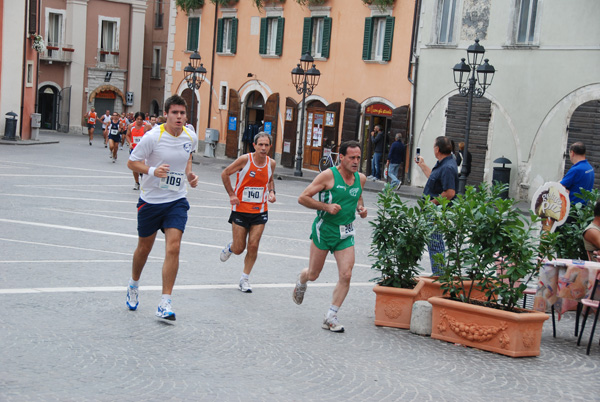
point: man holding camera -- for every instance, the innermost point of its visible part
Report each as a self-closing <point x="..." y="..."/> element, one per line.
<point x="442" y="182"/>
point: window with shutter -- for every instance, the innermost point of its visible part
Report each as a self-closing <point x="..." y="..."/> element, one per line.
<point x="220" y="35"/>
<point x="388" y="39"/>
<point x="279" y="41"/>
<point x="307" y="35"/>
<point x="193" y="33"/>
<point x="367" y="43"/>
<point x="326" y="37"/>
<point x="234" y="30"/>
<point x="262" y="44"/>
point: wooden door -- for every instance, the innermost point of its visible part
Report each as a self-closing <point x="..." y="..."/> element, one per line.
<point x="584" y="126"/>
<point x="271" y="113"/>
<point x="232" y="140"/>
<point x="456" y="119"/>
<point x="288" y="152"/>
<point x="313" y="140"/>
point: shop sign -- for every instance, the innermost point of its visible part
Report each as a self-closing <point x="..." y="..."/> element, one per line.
<point x="551" y="203"/>
<point x="379" y="109"/>
<point x="106" y="95"/>
<point x="267" y="127"/>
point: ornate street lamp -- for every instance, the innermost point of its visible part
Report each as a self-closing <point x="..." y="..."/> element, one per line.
<point x="463" y="73"/>
<point x="305" y="78"/>
<point x="195" y="74"/>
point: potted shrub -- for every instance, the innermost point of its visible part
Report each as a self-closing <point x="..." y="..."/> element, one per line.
<point x="400" y="234"/>
<point x="569" y="244"/>
<point x="489" y="241"/>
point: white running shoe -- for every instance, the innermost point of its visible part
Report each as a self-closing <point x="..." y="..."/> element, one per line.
<point x="332" y="324"/>
<point x="165" y="311"/>
<point x="298" y="295"/>
<point x="226" y="252"/>
<point x="132" y="297"/>
<point x="245" y="286"/>
<point x="136" y="186"/>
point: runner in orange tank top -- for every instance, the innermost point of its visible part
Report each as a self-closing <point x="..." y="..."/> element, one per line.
<point x="254" y="187"/>
<point x="135" y="132"/>
<point x="91" y="117"/>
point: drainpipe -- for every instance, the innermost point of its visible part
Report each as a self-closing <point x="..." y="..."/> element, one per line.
<point x="37" y="68"/>
<point x="413" y="69"/>
<point x="25" y="40"/>
<point x="212" y="65"/>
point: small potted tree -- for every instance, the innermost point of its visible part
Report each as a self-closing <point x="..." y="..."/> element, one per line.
<point x="400" y="234"/>
<point x="501" y="250"/>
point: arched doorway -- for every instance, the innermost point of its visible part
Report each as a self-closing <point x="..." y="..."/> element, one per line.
<point x="47" y="106"/>
<point x="254" y="118"/>
<point x="376" y="114"/>
<point x="104" y="101"/>
<point x="187" y="95"/>
<point x="154" y="108"/>
<point x="584" y="126"/>
<point x="456" y="119"/>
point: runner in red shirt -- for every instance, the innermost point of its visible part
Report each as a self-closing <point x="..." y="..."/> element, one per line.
<point x="135" y="132"/>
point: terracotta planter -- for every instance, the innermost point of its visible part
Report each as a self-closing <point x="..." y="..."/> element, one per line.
<point x="431" y="289"/>
<point x="507" y="333"/>
<point x="393" y="306"/>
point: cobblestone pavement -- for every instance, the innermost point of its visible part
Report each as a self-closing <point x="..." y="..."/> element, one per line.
<point x="68" y="224"/>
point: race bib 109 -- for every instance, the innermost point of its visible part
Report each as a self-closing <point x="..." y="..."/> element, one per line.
<point x="172" y="182"/>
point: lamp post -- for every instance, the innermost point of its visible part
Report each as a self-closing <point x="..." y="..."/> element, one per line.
<point x="464" y="72"/>
<point x="305" y="79"/>
<point x="195" y="73"/>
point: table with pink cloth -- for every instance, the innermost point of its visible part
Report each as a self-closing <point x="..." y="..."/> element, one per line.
<point x="562" y="283"/>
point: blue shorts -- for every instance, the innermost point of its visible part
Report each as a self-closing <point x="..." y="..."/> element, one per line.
<point x="115" y="138"/>
<point x="152" y="217"/>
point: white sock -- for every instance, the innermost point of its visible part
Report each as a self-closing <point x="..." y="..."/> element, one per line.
<point x="244" y="276"/>
<point x="332" y="311"/>
<point x="133" y="284"/>
<point x="165" y="299"/>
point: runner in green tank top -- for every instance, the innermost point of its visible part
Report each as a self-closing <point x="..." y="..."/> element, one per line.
<point x="339" y="198"/>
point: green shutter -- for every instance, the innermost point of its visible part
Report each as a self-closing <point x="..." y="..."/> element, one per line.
<point x="234" y="29"/>
<point x="279" y="41"/>
<point x="388" y="40"/>
<point x="192" y="39"/>
<point x="262" y="44"/>
<point x="307" y="35"/>
<point x="326" y="37"/>
<point x="368" y="40"/>
<point x="220" y="35"/>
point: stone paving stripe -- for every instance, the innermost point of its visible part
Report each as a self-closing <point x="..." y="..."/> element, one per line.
<point x="48" y="225"/>
<point x="73" y="247"/>
<point x="177" y="287"/>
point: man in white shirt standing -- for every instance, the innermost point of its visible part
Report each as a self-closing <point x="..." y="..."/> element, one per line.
<point x="164" y="157"/>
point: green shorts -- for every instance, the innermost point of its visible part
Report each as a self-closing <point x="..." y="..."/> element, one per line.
<point x="329" y="237"/>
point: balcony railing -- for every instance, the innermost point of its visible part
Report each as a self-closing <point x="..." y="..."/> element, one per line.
<point x="58" y="52"/>
<point x="108" y="58"/>
<point x="155" y="71"/>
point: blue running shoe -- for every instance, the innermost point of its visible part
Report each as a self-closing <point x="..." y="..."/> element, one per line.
<point x="132" y="297"/>
<point x="164" y="311"/>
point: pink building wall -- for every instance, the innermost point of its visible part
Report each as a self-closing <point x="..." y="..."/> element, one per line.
<point x="343" y="75"/>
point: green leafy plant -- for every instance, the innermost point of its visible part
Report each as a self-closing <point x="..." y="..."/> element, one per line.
<point x="311" y="2"/>
<point x="400" y="234"/>
<point x="491" y="243"/>
<point x="570" y="243"/>
<point x="189" y="5"/>
<point x="380" y="3"/>
<point x="261" y="3"/>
